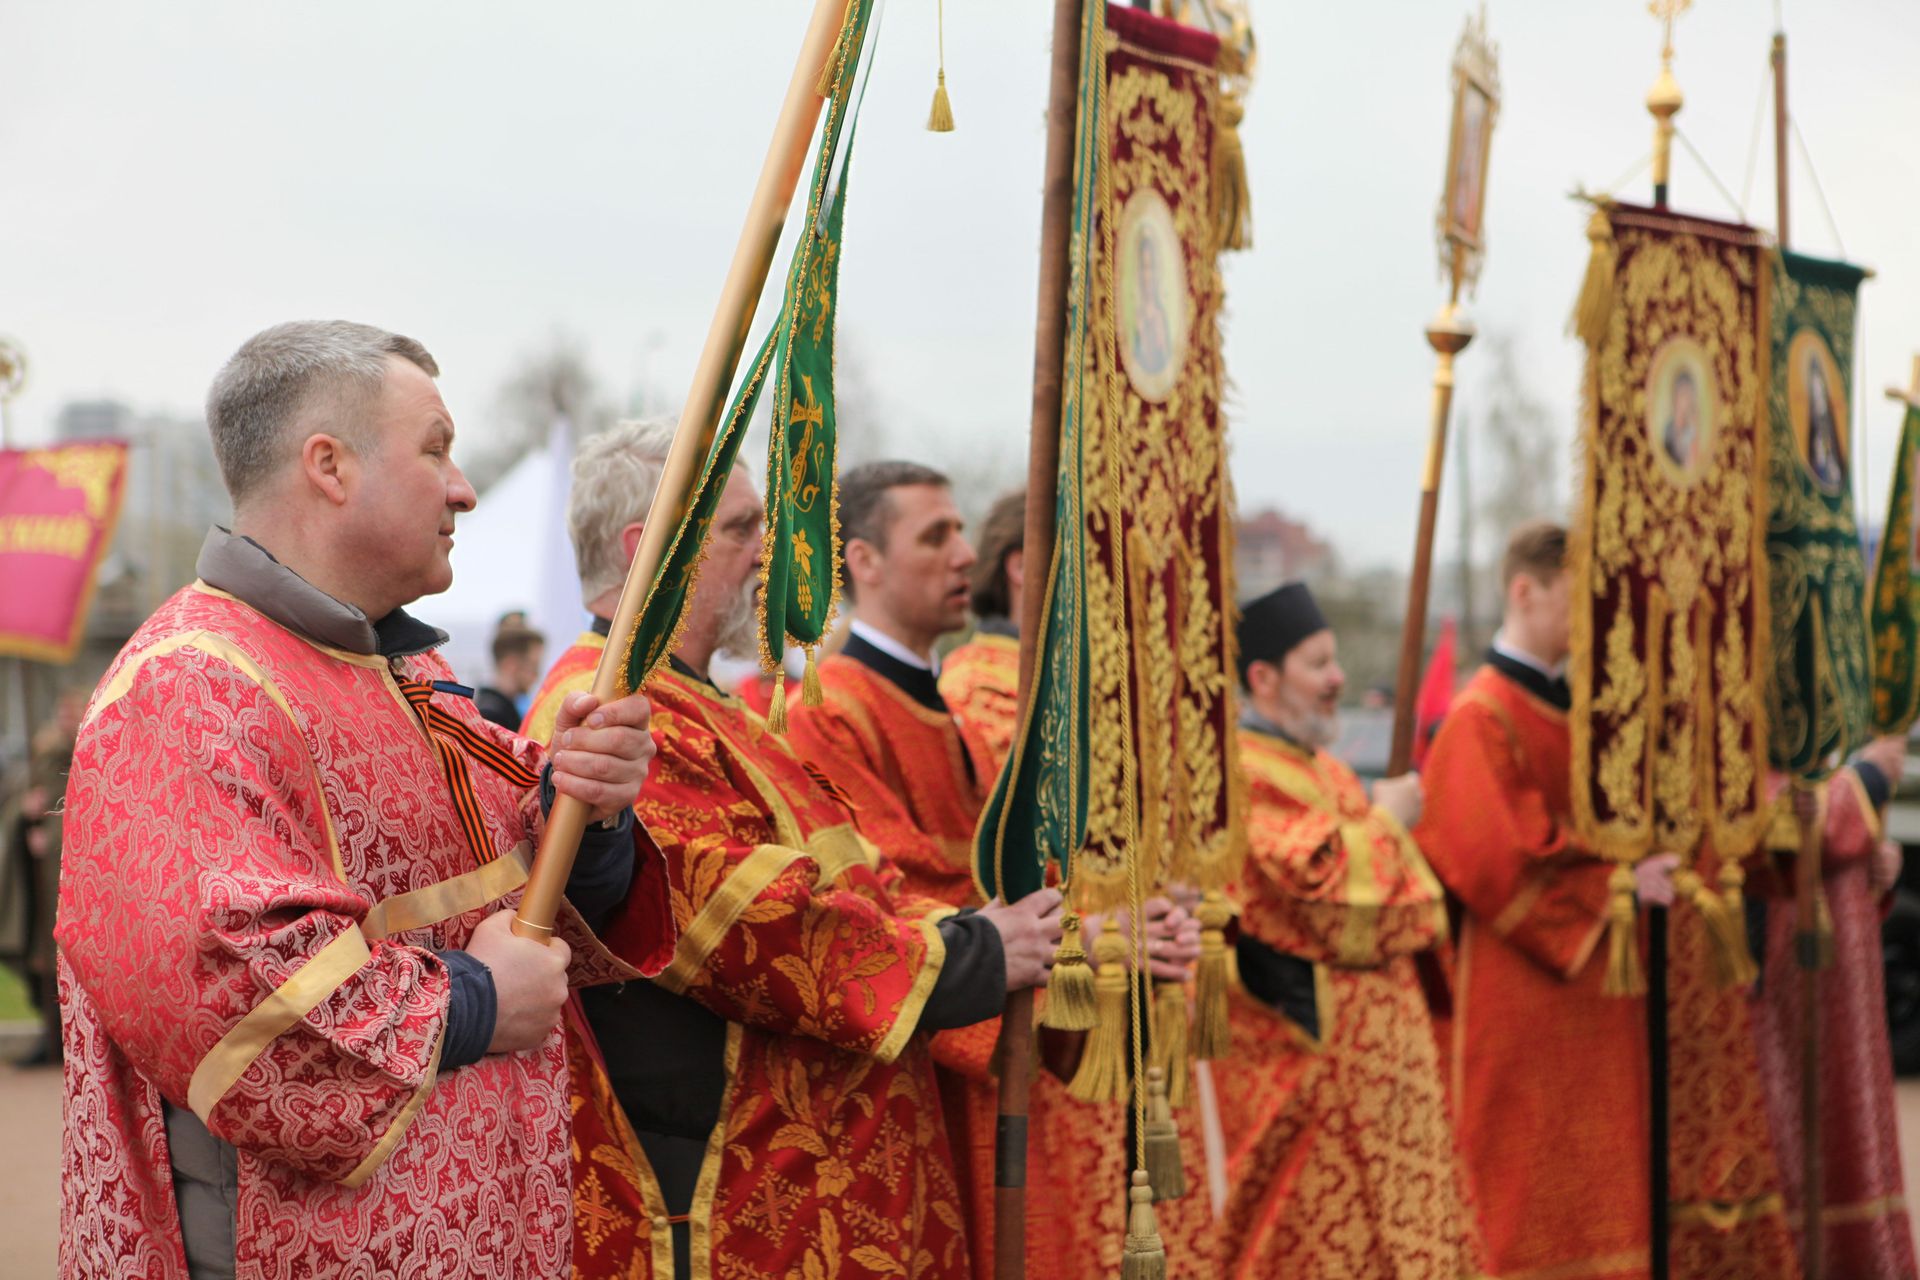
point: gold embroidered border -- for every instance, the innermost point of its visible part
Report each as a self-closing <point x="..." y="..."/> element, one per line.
<point x="836" y="849"/>
<point x="709" y="927"/>
<point x="427" y="906"/>
<point x="1609" y="1265"/>
<point x="397" y="1130"/>
<point x="312" y="983"/>
<point x="907" y="1020"/>
<point x="1360" y="935"/>
<point x="700" y="1215"/>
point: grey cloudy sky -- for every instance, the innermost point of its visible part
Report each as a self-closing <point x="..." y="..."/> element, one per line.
<point x="482" y="174"/>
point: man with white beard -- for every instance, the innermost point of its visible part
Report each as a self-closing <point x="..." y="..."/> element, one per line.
<point x="768" y="1106"/>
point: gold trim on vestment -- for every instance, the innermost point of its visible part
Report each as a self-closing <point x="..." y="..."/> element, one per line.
<point x="721" y="911"/>
<point x="310" y="984"/>
<point x="1360" y="934"/>
<point x="1723" y="1215"/>
<point x="700" y="1213"/>
<point x="836" y="849"/>
<point x="427" y="906"/>
<point x="395" y="1131"/>
<point x="907" y="1020"/>
<point x="1584" y="1268"/>
<point x="1845" y="1215"/>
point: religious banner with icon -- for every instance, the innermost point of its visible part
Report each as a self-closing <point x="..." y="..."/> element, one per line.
<point x="58" y="509"/>
<point x="1818" y="703"/>
<point x="1671" y="649"/>
<point x="1476" y="102"/>
<point x="1895" y="623"/>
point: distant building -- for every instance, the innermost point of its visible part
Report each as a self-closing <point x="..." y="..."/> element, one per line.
<point x="1270" y="548"/>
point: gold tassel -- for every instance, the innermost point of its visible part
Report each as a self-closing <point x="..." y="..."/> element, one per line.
<point x="1733" y="964"/>
<point x="810" y="682"/>
<point x="823" y="87"/>
<point x="1170" y="1036"/>
<point x="1165" y="1172"/>
<point x="1232" y="204"/>
<point x="1212" y="1038"/>
<point x="1624" y="976"/>
<point x="1595" y="306"/>
<point x="777" y="713"/>
<point x="1145" y="1257"/>
<point x="1102" y="1076"/>
<point x="940" y="119"/>
<point x="1071" y="1000"/>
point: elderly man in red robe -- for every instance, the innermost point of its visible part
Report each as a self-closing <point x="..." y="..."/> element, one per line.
<point x="768" y="1107"/>
<point x="299" y="1032"/>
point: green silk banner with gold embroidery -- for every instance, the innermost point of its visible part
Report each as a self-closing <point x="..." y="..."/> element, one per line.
<point x="657" y="627"/>
<point x="1818" y="697"/>
<point x="1896" y="593"/>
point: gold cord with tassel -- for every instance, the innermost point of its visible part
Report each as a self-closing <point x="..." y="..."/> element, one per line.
<point x="810" y="681"/>
<point x="1212" y="1038"/>
<point x="1170" y="1043"/>
<point x="1102" y="1076"/>
<point x="823" y="87"/>
<point x="1072" y="1003"/>
<point x="1232" y="203"/>
<point x="1595" y="306"/>
<point x="777" y="710"/>
<point x="1624" y="976"/>
<point x="1166" y="1174"/>
<point x="940" y="119"/>
<point x="1733" y="964"/>
<point x="1144" y="1257"/>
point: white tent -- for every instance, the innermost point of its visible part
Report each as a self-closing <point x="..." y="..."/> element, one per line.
<point x="512" y="552"/>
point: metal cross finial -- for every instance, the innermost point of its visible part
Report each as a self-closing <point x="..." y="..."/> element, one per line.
<point x="1667" y="11"/>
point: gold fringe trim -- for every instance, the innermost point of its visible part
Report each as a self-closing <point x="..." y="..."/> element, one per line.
<point x="1212" y="1037"/>
<point x="1165" y="1172"/>
<point x="1733" y="964"/>
<point x="777" y="713"/>
<point x="1170" y="1047"/>
<point x="810" y="691"/>
<point x="1145" y="1257"/>
<point x="1102" y="1076"/>
<point x="1595" y="306"/>
<point x="1232" y="202"/>
<point x="1072" y="1003"/>
<point x="1624" y="976"/>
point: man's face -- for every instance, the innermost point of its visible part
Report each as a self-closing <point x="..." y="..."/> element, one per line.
<point x="1303" y="696"/>
<point x="403" y="488"/>
<point x="723" y="602"/>
<point x="1549" y="610"/>
<point x="520" y="672"/>
<point x="920" y="579"/>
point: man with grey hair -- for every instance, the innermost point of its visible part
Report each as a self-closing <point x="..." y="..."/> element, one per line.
<point x="298" y="836"/>
<point x="796" y="1016"/>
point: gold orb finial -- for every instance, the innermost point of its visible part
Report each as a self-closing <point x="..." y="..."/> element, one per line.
<point x="1664" y="100"/>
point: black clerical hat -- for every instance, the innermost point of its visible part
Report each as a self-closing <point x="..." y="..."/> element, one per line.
<point x="1273" y="624"/>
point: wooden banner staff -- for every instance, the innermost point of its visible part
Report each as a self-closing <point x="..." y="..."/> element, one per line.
<point x="693" y="437"/>
<point x="1043" y="471"/>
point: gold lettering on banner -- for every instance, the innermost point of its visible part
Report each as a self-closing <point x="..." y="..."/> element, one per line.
<point x="90" y="468"/>
<point x="64" y="536"/>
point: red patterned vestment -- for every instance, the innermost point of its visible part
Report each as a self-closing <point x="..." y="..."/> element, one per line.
<point x="1341" y="1161"/>
<point x="262" y="855"/>
<point x="981" y="682"/>
<point x="829" y="1159"/>
<point x="1559" y="1158"/>
<point x="1864" y="1207"/>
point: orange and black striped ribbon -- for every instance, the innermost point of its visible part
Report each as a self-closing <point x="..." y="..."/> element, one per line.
<point x="454" y="741"/>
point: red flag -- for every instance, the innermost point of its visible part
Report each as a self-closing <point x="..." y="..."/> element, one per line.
<point x="58" y="507"/>
<point x="1436" y="694"/>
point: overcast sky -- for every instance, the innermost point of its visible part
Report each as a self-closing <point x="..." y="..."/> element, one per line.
<point x="483" y="174"/>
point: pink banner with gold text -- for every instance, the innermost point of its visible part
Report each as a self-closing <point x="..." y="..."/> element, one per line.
<point x="58" y="507"/>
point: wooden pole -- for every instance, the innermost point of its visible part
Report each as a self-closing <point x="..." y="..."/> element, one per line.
<point x="1780" y="132"/>
<point x="693" y="438"/>
<point x="1448" y="335"/>
<point x="1043" y="471"/>
<point x="1659" y="1180"/>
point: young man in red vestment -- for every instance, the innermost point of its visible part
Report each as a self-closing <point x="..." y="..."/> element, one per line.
<point x="769" y="1106"/>
<point x="298" y="1029"/>
<point x="1559" y="1157"/>
<point x="1341" y="1158"/>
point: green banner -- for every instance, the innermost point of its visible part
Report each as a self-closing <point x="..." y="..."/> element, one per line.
<point x="1038" y="809"/>
<point x="1896" y="594"/>
<point x="1818" y="710"/>
<point x="657" y="629"/>
<point x="799" y="570"/>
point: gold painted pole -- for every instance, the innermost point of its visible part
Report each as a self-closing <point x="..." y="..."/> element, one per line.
<point x="693" y="438"/>
<point x="1779" y="60"/>
<point x="1448" y="335"/>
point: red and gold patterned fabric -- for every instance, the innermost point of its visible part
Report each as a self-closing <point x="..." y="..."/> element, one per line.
<point x="829" y="1159"/>
<point x="1341" y="1161"/>
<point x="981" y="682"/>
<point x="262" y="855"/>
<point x="1864" y="1206"/>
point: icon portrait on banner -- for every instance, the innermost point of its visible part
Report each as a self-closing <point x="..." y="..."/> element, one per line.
<point x="1817" y="408"/>
<point x="1682" y="410"/>
<point x="1154" y="303"/>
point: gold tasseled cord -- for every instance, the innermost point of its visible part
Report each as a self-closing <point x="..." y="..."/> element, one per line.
<point x="1595" y="305"/>
<point x="1171" y="1042"/>
<point x="777" y="712"/>
<point x="1733" y="964"/>
<point x="1211" y="1036"/>
<point x="1144" y="1257"/>
<point x="940" y="119"/>
<point x="1165" y="1172"/>
<point x="1624" y="976"/>
<point x="1102" y="1076"/>
<point x="1232" y="202"/>
<point x="1072" y="1002"/>
<point x="810" y="681"/>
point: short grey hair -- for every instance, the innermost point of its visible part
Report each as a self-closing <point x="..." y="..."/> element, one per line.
<point x="614" y="476"/>
<point x="262" y="391"/>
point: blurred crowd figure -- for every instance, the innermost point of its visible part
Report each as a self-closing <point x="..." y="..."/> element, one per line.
<point x="519" y="658"/>
<point x="30" y="828"/>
